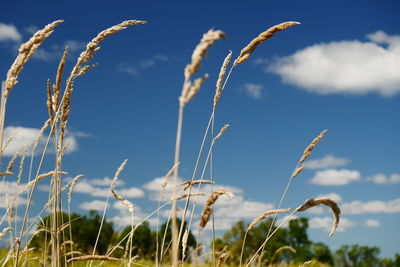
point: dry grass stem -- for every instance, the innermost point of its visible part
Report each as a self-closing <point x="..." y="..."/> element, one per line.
<point x="6" y="173"/>
<point x="8" y="141"/>
<point x="195" y="88"/>
<point x="80" y="68"/>
<point x="249" y="49"/>
<point x="49" y="101"/>
<point x="57" y="85"/>
<point x="43" y="175"/>
<point x="117" y="173"/>
<point x="167" y="176"/>
<point x="12" y="161"/>
<point x="93" y="258"/>
<point x="309" y="149"/>
<point x="187" y="195"/>
<point x="200" y="51"/>
<point x="26" y="51"/>
<point x="184" y="243"/>
<point x="285" y="248"/>
<point x="306" y="263"/>
<point x="72" y="186"/>
<point x="189" y="183"/>
<point x="312" y="202"/>
<point x="39" y="136"/>
<point x="264" y="215"/>
<point x="5" y="231"/>
<point x="124" y="201"/>
<point x="207" y="211"/>
<point x="297" y="171"/>
<point x="221" y="77"/>
<point x="222" y="131"/>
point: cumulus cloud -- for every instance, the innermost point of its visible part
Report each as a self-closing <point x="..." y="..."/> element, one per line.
<point x="100" y="188"/>
<point x="334" y="196"/>
<point x="9" y="32"/>
<point x="376" y="206"/>
<point x="332" y="177"/>
<point x="353" y="67"/>
<point x="93" y="205"/>
<point x="329" y="161"/>
<point x="372" y="223"/>
<point x="8" y="192"/>
<point x="253" y="90"/>
<point x="326" y="223"/>
<point x="25" y="136"/>
<point x="384" y="179"/>
<point x="154" y="186"/>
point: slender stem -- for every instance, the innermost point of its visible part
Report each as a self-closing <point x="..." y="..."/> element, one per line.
<point x="175" y="240"/>
<point x="269" y="237"/>
<point x="2" y="118"/>
<point x="194" y="175"/>
<point x="244" y="242"/>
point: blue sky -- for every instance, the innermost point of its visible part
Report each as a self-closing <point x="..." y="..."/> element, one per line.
<point x="339" y="70"/>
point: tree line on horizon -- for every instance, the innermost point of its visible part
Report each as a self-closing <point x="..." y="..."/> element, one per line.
<point x="288" y="245"/>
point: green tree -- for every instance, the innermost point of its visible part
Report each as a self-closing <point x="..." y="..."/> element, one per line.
<point x="191" y="242"/>
<point x="84" y="232"/>
<point x="143" y="240"/>
<point x="298" y="239"/>
<point x="234" y="238"/>
<point x="357" y="256"/>
<point x="321" y="253"/>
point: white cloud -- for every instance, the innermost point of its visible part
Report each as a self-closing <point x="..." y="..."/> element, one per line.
<point x="125" y="67"/>
<point x="376" y="206"/>
<point x="372" y="223"/>
<point x="326" y="223"/>
<point x="93" y="205"/>
<point x="334" y="196"/>
<point x="9" y="32"/>
<point x="332" y="177"/>
<point x="243" y="210"/>
<point x="106" y="181"/>
<point x="253" y="90"/>
<point x="134" y="70"/>
<point x="316" y="210"/>
<point x="154" y="186"/>
<point x="383" y="179"/>
<point x="25" y="136"/>
<point x="132" y="192"/>
<point x="31" y="29"/>
<point x="329" y="161"/>
<point x="55" y="51"/>
<point x="90" y="187"/>
<point x="352" y="67"/>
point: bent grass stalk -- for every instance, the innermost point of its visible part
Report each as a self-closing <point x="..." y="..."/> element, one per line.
<point x="309" y="203"/>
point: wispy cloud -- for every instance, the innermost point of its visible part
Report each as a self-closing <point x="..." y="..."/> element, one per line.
<point x="135" y="69"/>
<point x="253" y="90"/>
<point x="54" y="52"/>
<point x="385" y="179"/>
<point x="376" y="206"/>
<point x="372" y="223"/>
<point x="333" y="177"/>
<point x="326" y="223"/>
<point x="352" y="67"/>
<point x="9" y="32"/>
<point x="25" y="136"/>
<point x="329" y="161"/>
